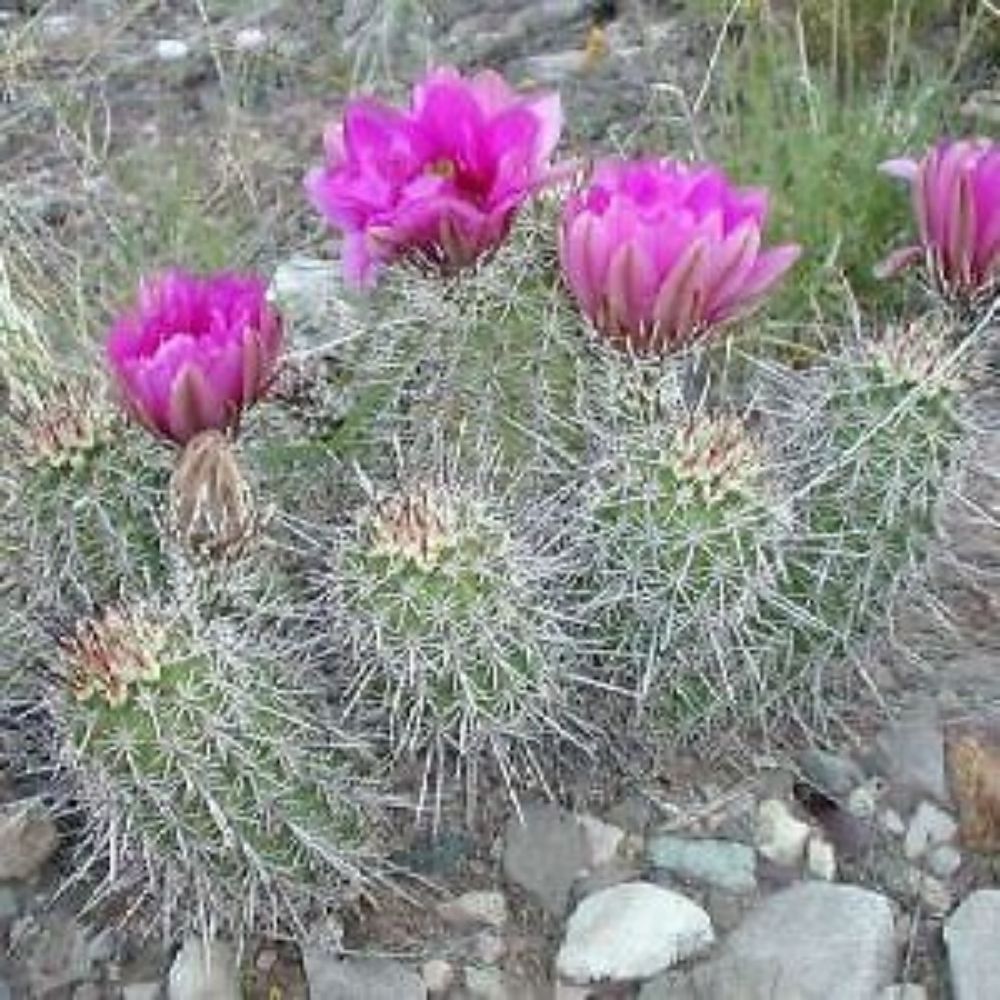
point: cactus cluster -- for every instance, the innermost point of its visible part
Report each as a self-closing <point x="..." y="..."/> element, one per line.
<point x="239" y="653"/>
<point x="441" y="608"/>
<point x="206" y="770"/>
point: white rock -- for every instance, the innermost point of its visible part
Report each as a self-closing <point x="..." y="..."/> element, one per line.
<point x="249" y="39"/>
<point x="484" y="908"/>
<point x="972" y="936"/>
<point x="929" y="827"/>
<point x="438" y="976"/>
<point x="172" y="49"/>
<point x="780" y="836"/>
<point x="631" y="931"/>
<point x="821" y="859"/>
<point x="198" y="973"/>
<point x="603" y="840"/>
<point x="28" y="839"/>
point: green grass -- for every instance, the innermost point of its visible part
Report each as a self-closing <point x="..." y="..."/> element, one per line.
<point x="780" y="124"/>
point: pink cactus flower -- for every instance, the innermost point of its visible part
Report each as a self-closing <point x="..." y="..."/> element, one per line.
<point x="956" y="200"/>
<point x="659" y="254"/>
<point x="194" y="352"/>
<point x="439" y="182"/>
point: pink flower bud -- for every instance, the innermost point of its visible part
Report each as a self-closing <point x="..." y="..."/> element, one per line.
<point x="194" y="352"/>
<point x="956" y="201"/>
<point x="659" y="254"/>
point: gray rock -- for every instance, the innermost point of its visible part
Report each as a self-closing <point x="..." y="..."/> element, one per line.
<point x="334" y="978"/>
<point x="929" y="827"/>
<point x="141" y="991"/>
<point x="10" y="905"/>
<point x="28" y="839"/>
<point x="972" y="937"/>
<point x="631" y="931"/>
<point x="721" y="863"/>
<point x="312" y="295"/>
<point x="831" y="773"/>
<point x="58" y="955"/>
<point x="5" y="991"/>
<point x="486" y="984"/>
<point x="204" y="973"/>
<point x="604" y="841"/>
<point x="670" y="986"/>
<point x="911" y="752"/>
<point x="487" y="909"/>
<point x="944" y="860"/>
<point x="903" y="991"/>
<point x="813" y="941"/>
<point x="545" y="853"/>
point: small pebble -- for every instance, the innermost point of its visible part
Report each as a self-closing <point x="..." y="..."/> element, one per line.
<point x="780" y="836"/>
<point x="861" y="802"/>
<point x="944" y="860"/>
<point x="929" y="827"/>
<point x="490" y="947"/>
<point x="821" y="859"/>
<point x="172" y="49"/>
<point x="438" y="976"/>
<point x="249" y="39"/>
<point x="933" y="893"/>
<point x="892" y="822"/>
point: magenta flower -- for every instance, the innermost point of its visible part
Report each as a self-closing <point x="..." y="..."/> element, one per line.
<point x="441" y="181"/>
<point x="659" y="254"/>
<point x="194" y="352"/>
<point x="956" y="200"/>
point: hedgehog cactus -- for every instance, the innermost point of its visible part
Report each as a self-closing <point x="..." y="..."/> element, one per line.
<point x="80" y="496"/>
<point x="889" y="430"/>
<point x="711" y="554"/>
<point x="214" y="789"/>
<point x="449" y="627"/>
<point x="682" y="518"/>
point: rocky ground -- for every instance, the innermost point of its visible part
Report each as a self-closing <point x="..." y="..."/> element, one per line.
<point x="862" y="871"/>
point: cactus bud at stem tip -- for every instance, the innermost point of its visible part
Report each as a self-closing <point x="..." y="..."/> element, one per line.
<point x="212" y="509"/>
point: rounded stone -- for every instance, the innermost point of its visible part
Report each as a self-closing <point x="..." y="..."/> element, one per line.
<point x="631" y="931"/>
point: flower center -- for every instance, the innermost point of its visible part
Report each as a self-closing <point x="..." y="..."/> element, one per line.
<point x="442" y="167"/>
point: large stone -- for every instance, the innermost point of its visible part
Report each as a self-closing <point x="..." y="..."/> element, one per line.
<point x="813" y="941"/>
<point x="631" y="931"/>
<point x="334" y="978"/>
<point x="28" y="839"/>
<point x="972" y="936"/>
<point x="204" y="973"/>
<point x="722" y="863"/>
<point x="545" y="849"/>
<point x="912" y="752"/>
